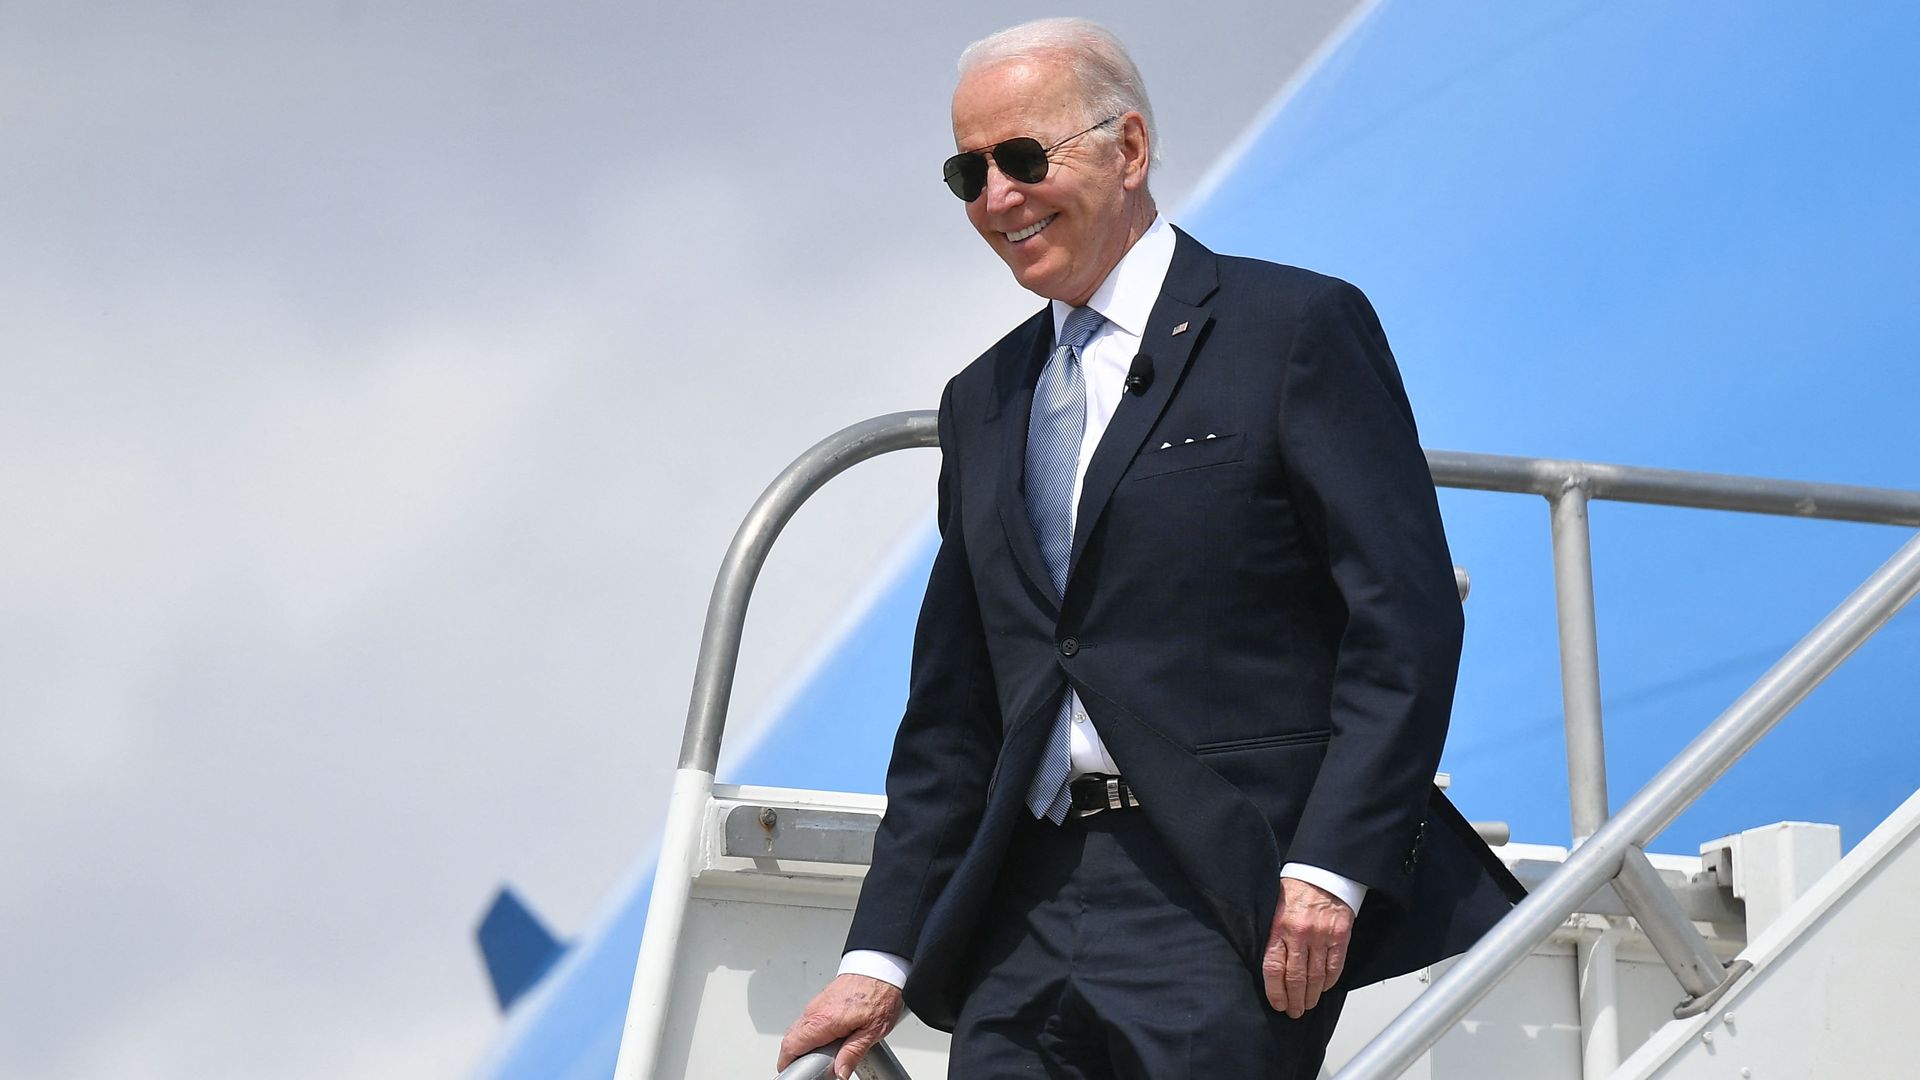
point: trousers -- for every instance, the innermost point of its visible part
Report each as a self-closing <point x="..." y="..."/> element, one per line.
<point x="1098" y="960"/>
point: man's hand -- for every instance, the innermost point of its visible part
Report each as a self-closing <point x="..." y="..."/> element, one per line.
<point x="862" y="1009"/>
<point x="1306" y="948"/>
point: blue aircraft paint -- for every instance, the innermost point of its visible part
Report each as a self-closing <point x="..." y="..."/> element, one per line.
<point x="1662" y="234"/>
<point x="836" y="733"/>
<point x="1674" y="235"/>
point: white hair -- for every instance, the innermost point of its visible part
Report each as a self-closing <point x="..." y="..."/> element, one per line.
<point x="1110" y="84"/>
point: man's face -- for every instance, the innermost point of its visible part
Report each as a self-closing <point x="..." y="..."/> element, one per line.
<point x="1083" y="207"/>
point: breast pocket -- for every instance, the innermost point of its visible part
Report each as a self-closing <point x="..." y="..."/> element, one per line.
<point x="1183" y="456"/>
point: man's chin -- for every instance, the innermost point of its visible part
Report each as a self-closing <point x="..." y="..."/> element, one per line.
<point x="1032" y="276"/>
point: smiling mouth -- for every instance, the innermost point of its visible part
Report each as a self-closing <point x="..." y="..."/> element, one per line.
<point x="1031" y="230"/>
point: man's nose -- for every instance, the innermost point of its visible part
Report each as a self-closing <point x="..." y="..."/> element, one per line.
<point x="1002" y="193"/>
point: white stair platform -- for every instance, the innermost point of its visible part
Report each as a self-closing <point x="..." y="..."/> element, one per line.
<point x="777" y="872"/>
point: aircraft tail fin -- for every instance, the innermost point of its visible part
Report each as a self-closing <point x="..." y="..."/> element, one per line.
<point x="517" y="947"/>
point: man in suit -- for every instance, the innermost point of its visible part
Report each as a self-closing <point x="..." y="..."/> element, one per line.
<point x="1187" y="653"/>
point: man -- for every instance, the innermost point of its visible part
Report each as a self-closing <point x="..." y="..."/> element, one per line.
<point x="1185" y="662"/>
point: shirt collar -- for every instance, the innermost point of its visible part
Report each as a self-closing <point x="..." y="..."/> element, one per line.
<point x="1128" y="294"/>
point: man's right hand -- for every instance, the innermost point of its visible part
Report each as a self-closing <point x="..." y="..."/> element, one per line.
<point x="861" y="1009"/>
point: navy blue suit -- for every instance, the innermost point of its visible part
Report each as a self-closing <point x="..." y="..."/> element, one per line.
<point x="1262" y="623"/>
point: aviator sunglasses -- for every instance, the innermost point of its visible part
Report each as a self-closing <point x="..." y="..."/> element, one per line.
<point x="1022" y="159"/>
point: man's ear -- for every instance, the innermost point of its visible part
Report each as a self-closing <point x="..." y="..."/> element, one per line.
<point x="1135" y="148"/>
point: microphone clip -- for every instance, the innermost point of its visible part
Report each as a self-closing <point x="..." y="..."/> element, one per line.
<point x="1140" y="375"/>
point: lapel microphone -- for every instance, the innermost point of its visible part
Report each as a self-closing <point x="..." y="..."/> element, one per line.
<point x="1140" y="375"/>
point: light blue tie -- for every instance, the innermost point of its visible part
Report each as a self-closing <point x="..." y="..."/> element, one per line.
<point x="1054" y="430"/>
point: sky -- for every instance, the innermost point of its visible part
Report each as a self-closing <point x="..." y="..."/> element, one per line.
<point x="381" y="386"/>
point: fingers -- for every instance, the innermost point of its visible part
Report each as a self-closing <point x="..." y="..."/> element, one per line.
<point x="819" y="1025"/>
<point x="1299" y="956"/>
<point x="807" y="1033"/>
<point x="1287" y="969"/>
<point x="1284" y="971"/>
<point x="846" y="1061"/>
<point x="1336" y="962"/>
<point x="1316" y="977"/>
<point x="854" y="1049"/>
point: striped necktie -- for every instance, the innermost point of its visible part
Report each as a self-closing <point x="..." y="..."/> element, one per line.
<point x="1055" y="428"/>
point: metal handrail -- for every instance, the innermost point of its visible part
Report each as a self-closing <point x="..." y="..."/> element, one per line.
<point x="1603" y="853"/>
<point x="1568" y="487"/>
<point x="1673" y="487"/>
<point x="727" y="610"/>
<point x="879" y="1063"/>
<point x="1663" y="799"/>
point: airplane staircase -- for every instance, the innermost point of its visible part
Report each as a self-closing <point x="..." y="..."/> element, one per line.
<point x="1765" y="954"/>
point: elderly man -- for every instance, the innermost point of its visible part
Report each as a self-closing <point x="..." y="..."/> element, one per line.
<point x="1187" y="653"/>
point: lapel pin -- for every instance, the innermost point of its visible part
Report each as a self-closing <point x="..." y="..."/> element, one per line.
<point x="1178" y="330"/>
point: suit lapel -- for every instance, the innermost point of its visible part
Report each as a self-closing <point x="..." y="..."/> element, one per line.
<point x="1013" y="395"/>
<point x="1191" y="279"/>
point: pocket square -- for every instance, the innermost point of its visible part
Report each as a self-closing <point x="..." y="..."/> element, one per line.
<point x="1189" y="440"/>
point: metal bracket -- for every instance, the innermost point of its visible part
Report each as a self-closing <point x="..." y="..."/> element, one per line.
<point x="1700" y="1003"/>
<point x="804" y="835"/>
<point x="1666" y="925"/>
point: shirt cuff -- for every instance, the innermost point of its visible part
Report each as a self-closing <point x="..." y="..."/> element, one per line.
<point x="1345" y="889"/>
<point x="874" y="964"/>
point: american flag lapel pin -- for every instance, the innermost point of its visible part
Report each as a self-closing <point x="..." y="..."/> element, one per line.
<point x="1178" y="330"/>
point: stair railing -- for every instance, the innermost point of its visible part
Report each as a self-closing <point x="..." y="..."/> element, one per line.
<point x="707" y="713"/>
<point x="1614" y="850"/>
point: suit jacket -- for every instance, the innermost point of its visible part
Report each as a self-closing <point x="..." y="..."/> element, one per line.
<point x="1259" y="614"/>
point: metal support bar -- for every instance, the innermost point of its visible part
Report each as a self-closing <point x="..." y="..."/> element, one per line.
<point x="1666" y="926"/>
<point x="1595" y="960"/>
<point x="1579" y="661"/>
<point x="1664" y="798"/>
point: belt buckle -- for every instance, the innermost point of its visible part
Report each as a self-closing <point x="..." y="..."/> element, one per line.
<point x="1115" y="801"/>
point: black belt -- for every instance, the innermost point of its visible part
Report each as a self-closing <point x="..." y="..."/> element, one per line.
<point x="1098" y="792"/>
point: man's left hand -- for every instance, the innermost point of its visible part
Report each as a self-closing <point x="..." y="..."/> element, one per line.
<point x="1306" y="948"/>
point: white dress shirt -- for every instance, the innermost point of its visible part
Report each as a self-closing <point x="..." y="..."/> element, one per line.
<point x="1126" y="299"/>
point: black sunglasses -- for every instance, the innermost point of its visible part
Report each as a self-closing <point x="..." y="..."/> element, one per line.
<point x="1022" y="159"/>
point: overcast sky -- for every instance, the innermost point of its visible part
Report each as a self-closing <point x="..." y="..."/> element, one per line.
<point x="381" y="385"/>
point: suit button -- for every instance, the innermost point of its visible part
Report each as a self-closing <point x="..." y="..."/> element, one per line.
<point x="1069" y="646"/>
